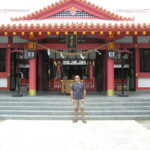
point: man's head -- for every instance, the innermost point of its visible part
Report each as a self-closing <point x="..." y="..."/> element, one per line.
<point x="77" y="78"/>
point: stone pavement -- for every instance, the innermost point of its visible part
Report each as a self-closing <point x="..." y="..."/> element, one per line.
<point x="145" y="123"/>
<point x="65" y="135"/>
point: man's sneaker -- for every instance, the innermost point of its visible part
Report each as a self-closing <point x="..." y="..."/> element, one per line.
<point x="75" y="120"/>
<point x="84" y="121"/>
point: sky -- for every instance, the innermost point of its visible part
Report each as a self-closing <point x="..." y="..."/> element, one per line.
<point x="113" y="4"/>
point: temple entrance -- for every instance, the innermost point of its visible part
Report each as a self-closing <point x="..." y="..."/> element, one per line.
<point x="125" y="74"/>
<point x="55" y="71"/>
<point x="51" y="71"/>
<point x="19" y="75"/>
<point x="14" y="67"/>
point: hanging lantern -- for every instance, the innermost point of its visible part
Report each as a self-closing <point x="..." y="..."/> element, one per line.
<point x="111" y="35"/>
<point x="144" y="32"/>
<point x="14" y="33"/>
<point x="83" y="32"/>
<point x="48" y="33"/>
<point x="101" y="32"/>
<point x="118" y="32"/>
<point x="111" y="45"/>
<point x="135" y="33"/>
<point x="127" y="32"/>
<point x="31" y="45"/>
<point x="40" y="33"/>
<point x="57" y="33"/>
<point x="92" y="32"/>
<point x="66" y="32"/>
<point x="5" y="33"/>
<point x="31" y="35"/>
<point x="72" y="8"/>
<point x="22" y="33"/>
<point x="75" y="33"/>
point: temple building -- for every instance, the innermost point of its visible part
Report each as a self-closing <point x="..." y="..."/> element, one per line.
<point x="44" y="49"/>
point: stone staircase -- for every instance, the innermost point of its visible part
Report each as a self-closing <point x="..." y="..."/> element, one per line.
<point x="59" y="107"/>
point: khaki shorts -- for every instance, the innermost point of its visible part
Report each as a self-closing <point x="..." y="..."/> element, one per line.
<point x="78" y="104"/>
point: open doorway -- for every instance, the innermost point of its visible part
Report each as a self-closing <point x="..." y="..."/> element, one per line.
<point x="128" y="72"/>
<point x="19" y="74"/>
<point x="69" y="71"/>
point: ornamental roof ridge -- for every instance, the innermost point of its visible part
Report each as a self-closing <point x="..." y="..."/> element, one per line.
<point x="76" y="23"/>
<point x="58" y="4"/>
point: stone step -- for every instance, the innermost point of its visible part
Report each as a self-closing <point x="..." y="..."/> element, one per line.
<point x="70" y="108"/>
<point x="68" y="100"/>
<point x="62" y="113"/>
<point x="92" y="104"/>
<point x="61" y="108"/>
<point x="70" y="117"/>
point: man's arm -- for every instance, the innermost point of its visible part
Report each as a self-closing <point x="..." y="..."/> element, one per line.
<point x="84" y="94"/>
<point x="71" y="93"/>
<point x="84" y="91"/>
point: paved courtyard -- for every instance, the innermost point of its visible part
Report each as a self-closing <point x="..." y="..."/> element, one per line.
<point x="65" y="135"/>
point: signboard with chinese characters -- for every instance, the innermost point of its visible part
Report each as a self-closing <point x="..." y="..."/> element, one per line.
<point x="74" y="62"/>
<point x="3" y="83"/>
<point x="71" y="40"/>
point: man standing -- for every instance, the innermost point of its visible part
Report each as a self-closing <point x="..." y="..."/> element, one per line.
<point x="78" y="93"/>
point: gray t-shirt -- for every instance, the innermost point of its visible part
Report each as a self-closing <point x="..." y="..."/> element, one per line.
<point x="78" y="90"/>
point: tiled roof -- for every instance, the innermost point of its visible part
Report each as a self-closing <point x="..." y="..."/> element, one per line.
<point x="78" y="24"/>
<point x="58" y="4"/>
<point x="141" y="21"/>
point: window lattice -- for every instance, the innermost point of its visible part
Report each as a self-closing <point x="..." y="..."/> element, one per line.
<point x="78" y="13"/>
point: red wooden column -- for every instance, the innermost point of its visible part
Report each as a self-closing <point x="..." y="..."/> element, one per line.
<point x="8" y="59"/>
<point x="40" y="70"/>
<point x="8" y="53"/>
<point x="91" y="71"/>
<point x="32" y="76"/>
<point x="110" y="77"/>
<point x="137" y="61"/>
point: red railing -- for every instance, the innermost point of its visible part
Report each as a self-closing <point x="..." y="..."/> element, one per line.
<point x="118" y="84"/>
<point x="24" y="84"/>
<point x="90" y="85"/>
<point x="55" y="84"/>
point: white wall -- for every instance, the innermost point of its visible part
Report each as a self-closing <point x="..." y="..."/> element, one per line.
<point x="3" y="83"/>
<point x="3" y="39"/>
<point x="143" y="39"/>
<point x="126" y="39"/>
<point x="17" y="39"/>
<point x="144" y="82"/>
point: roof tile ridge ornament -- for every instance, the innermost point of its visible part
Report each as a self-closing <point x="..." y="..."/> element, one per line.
<point x="108" y="13"/>
<point x="126" y="26"/>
